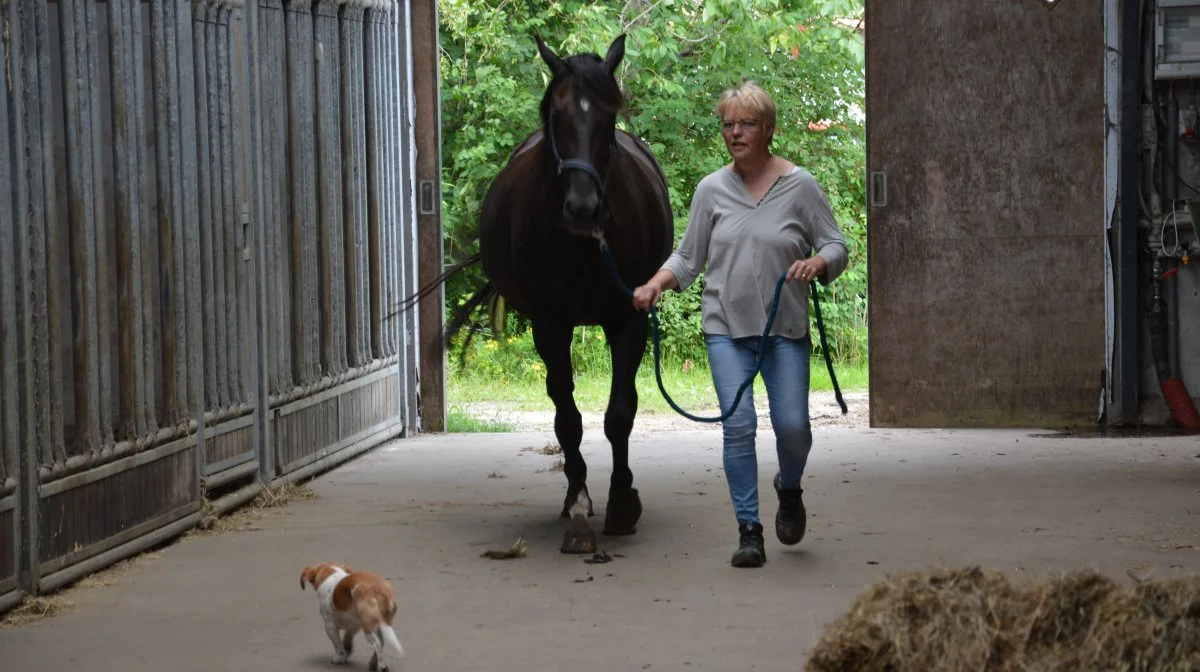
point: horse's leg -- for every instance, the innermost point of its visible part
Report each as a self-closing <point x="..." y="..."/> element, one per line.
<point x="553" y="344"/>
<point x="627" y="339"/>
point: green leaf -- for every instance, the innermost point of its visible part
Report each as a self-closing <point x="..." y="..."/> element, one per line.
<point x="679" y="56"/>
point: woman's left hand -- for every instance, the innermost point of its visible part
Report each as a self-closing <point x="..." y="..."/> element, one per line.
<point x="806" y="269"/>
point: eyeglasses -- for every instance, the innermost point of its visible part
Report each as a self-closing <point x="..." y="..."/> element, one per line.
<point x="746" y="124"/>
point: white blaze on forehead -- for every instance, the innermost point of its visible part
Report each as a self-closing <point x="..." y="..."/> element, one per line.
<point x="584" y="104"/>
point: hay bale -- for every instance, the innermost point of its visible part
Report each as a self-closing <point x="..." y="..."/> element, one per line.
<point x="974" y="619"/>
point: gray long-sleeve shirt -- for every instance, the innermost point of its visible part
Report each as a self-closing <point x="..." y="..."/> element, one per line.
<point x="747" y="246"/>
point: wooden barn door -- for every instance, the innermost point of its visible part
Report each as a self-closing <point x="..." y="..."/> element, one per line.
<point x="985" y="152"/>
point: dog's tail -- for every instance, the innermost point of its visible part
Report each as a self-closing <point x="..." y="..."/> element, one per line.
<point x="389" y="638"/>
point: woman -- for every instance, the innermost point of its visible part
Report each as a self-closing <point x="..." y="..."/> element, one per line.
<point x="750" y="222"/>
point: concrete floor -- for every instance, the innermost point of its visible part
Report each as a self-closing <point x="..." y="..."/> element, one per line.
<point x="420" y="511"/>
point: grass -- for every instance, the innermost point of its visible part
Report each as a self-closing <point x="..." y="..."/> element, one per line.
<point x="691" y="389"/>
<point x="459" y="420"/>
<point x="506" y="376"/>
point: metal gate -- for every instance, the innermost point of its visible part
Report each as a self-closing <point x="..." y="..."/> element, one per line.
<point x="205" y="218"/>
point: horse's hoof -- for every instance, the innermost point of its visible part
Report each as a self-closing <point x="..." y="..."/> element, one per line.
<point x="579" y="537"/>
<point x="574" y="501"/>
<point x="622" y="513"/>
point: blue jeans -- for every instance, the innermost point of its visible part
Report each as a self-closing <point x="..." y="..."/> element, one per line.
<point x="785" y="372"/>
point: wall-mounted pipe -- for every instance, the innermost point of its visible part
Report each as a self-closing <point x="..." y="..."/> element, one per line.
<point x="1180" y="402"/>
<point x="1171" y="299"/>
<point x="1171" y="174"/>
<point x="1157" y="321"/>
<point x="1124" y="390"/>
<point x="1175" y="393"/>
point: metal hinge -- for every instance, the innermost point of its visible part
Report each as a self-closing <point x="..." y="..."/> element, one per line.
<point x="245" y="242"/>
<point x="879" y="188"/>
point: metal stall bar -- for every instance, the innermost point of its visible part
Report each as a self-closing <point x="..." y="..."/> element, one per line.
<point x="400" y="179"/>
<point x="126" y="144"/>
<point x="37" y="214"/>
<point x="396" y="263"/>
<point x="106" y="288"/>
<point x="377" y="183"/>
<point x="263" y="374"/>
<point x="275" y="176"/>
<point x="218" y="224"/>
<point x="200" y="11"/>
<point x="329" y="185"/>
<point x="183" y="287"/>
<point x="373" y="57"/>
<point x="233" y="204"/>
<point x="388" y="210"/>
<point x="387" y="216"/>
<point x="228" y="258"/>
<point x="172" y="251"/>
<point x="187" y="242"/>
<point x="143" y="244"/>
<point x="394" y="65"/>
<point x="44" y="312"/>
<point x="79" y="45"/>
<point x="364" y="224"/>
<point x="355" y="189"/>
<point x="9" y="357"/>
<point x="305" y="312"/>
<point x="232" y="441"/>
<point x="11" y="505"/>
<point x="409" y="390"/>
<point x="55" y="245"/>
<point x="236" y="32"/>
<point x="26" y="135"/>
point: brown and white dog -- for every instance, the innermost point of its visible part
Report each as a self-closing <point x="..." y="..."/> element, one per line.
<point x="351" y="601"/>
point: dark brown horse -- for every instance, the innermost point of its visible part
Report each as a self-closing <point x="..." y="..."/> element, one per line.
<point x="571" y="183"/>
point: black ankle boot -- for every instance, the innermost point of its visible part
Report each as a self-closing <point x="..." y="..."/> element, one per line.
<point x="750" y="552"/>
<point x="791" y="520"/>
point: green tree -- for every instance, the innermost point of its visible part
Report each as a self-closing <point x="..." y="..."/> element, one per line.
<point x="680" y="55"/>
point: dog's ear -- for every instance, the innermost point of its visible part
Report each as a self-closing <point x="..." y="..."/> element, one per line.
<point x="307" y="575"/>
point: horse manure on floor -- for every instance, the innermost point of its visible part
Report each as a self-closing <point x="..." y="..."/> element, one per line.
<point x="963" y="619"/>
<point x="558" y="466"/>
<point x="548" y="449"/>
<point x="517" y="550"/>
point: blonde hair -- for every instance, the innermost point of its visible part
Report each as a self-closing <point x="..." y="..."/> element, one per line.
<point x="751" y="97"/>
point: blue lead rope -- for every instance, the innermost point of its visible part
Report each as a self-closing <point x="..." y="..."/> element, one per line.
<point x="606" y="254"/>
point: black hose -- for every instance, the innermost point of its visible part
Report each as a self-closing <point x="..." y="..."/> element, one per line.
<point x="1125" y="252"/>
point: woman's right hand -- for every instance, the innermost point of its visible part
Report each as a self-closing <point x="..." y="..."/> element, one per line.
<point x="647" y="295"/>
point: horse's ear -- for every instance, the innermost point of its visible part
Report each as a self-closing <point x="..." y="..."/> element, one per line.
<point x="616" y="51"/>
<point x="557" y="66"/>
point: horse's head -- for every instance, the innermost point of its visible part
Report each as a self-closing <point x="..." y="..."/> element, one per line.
<point x="579" y="116"/>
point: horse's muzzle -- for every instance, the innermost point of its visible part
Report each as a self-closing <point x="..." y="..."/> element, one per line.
<point x="584" y="207"/>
